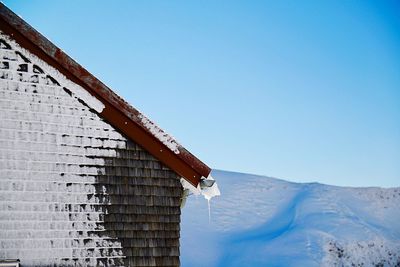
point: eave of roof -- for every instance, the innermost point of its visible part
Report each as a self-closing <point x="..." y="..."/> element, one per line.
<point x="117" y="112"/>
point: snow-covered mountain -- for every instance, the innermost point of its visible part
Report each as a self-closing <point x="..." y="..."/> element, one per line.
<point x="262" y="221"/>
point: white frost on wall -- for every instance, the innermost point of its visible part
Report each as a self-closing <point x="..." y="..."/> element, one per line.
<point x="78" y="91"/>
<point x="162" y="136"/>
<point x="51" y="149"/>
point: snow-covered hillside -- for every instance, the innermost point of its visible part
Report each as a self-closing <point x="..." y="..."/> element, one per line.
<point x="261" y="221"/>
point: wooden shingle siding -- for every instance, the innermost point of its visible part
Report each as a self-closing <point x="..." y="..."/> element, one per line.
<point x="139" y="204"/>
<point x="73" y="190"/>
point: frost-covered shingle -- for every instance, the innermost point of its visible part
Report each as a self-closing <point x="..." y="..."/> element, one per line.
<point x="73" y="190"/>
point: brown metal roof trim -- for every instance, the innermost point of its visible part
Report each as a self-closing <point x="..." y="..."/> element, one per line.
<point x="117" y="112"/>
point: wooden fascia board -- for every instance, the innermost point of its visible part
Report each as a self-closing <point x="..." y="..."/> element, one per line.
<point x="117" y="112"/>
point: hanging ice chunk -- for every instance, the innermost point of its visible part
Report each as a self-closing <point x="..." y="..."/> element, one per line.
<point x="207" y="187"/>
<point x="206" y="183"/>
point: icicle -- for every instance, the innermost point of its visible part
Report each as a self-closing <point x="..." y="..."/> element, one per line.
<point x="209" y="211"/>
<point x="207" y="187"/>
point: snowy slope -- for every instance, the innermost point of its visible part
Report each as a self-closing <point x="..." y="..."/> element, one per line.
<point x="261" y="221"/>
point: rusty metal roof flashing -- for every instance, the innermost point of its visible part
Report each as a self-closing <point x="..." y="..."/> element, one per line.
<point x="116" y="111"/>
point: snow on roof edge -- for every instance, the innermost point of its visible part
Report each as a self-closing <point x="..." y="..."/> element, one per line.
<point x="158" y="133"/>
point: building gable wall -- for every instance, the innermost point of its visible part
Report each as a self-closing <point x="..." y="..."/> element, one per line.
<point x="73" y="190"/>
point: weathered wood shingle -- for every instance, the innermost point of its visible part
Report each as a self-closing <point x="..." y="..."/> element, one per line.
<point x="73" y="190"/>
<point x="144" y="195"/>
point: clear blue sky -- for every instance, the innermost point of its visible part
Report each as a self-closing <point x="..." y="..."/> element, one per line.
<point x="301" y="90"/>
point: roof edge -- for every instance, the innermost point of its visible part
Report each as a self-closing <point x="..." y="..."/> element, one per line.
<point x="117" y="112"/>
